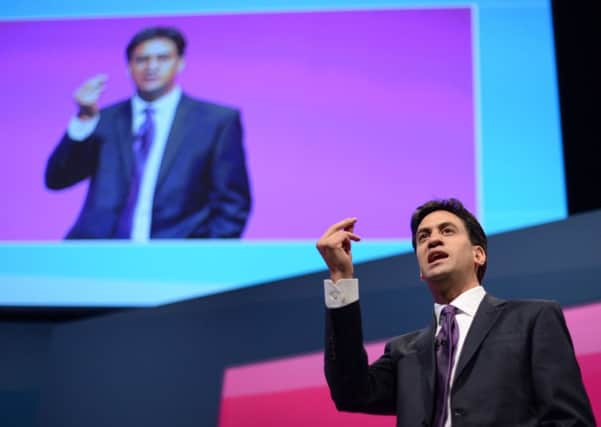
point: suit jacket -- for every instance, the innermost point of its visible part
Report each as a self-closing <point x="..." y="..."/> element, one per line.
<point x="517" y="368"/>
<point x="202" y="188"/>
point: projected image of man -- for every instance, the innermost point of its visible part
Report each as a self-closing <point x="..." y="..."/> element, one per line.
<point x="160" y="164"/>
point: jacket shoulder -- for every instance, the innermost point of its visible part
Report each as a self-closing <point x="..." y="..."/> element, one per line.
<point x="532" y="304"/>
<point x="201" y="106"/>
<point x="406" y="343"/>
<point x="116" y="109"/>
<point x="116" y="106"/>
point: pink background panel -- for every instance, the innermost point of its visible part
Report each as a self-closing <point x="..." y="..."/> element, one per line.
<point x="260" y="395"/>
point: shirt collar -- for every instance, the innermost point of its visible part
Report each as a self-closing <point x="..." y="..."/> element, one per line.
<point x="467" y="303"/>
<point x="169" y="100"/>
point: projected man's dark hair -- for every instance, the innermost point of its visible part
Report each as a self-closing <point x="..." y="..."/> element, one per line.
<point x="150" y="33"/>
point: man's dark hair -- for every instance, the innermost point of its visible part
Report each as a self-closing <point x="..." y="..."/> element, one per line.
<point x="149" y="33"/>
<point x="474" y="229"/>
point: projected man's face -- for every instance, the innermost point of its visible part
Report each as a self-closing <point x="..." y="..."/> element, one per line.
<point x="154" y="65"/>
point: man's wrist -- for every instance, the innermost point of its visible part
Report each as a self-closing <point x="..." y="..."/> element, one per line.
<point x="341" y="293"/>
<point x="336" y="276"/>
<point x="87" y="112"/>
<point x="80" y="129"/>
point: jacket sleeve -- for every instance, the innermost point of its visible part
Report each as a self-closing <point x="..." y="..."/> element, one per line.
<point x="71" y="162"/>
<point x="354" y="385"/>
<point x="560" y="394"/>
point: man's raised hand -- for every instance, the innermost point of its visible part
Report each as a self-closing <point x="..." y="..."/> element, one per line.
<point x="335" y="248"/>
<point x="87" y="95"/>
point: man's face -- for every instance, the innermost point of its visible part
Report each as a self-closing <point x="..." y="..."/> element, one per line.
<point x="153" y="66"/>
<point x="444" y="249"/>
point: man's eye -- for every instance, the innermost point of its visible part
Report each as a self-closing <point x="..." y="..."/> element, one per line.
<point x="447" y="231"/>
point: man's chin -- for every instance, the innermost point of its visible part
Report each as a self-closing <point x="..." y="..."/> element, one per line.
<point x="437" y="275"/>
<point x="150" y="93"/>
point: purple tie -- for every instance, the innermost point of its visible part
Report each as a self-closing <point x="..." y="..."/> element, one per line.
<point x="446" y="345"/>
<point x="141" y="147"/>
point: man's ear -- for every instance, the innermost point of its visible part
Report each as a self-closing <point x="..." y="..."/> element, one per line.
<point x="181" y="65"/>
<point x="479" y="255"/>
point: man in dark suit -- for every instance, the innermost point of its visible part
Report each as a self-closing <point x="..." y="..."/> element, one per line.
<point x="161" y="164"/>
<point x="483" y="362"/>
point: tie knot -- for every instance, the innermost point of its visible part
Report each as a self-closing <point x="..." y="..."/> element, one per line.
<point x="148" y="111"/>
<point x="448" y="311"/>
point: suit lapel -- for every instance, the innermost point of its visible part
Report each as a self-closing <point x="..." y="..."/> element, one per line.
<point x="125" y="137"/>
<point x="425" y="354"/>
<point x="485" y="318"/>
<point x="176" y="137"/>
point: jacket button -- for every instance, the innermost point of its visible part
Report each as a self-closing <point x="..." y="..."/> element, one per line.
<point x="459" y="412"/>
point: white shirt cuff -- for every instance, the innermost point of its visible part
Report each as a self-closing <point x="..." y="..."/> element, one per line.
<point x="341" y="293"/>
<point x="79" y="129"/>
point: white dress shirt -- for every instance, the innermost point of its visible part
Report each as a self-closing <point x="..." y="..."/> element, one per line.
<point x="164" y="113"/>
<point x="467" y="304"/>
<point x="346" y="291"/>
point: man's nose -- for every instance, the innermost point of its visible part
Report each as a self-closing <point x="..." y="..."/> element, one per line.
<point x="434" y="241"/>
<point x="152" y="62"/>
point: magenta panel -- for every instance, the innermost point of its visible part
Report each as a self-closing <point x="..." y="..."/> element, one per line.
<point x="362" y="113"/>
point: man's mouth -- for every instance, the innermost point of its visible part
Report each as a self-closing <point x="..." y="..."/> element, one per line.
<point x="436" y="256"/>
